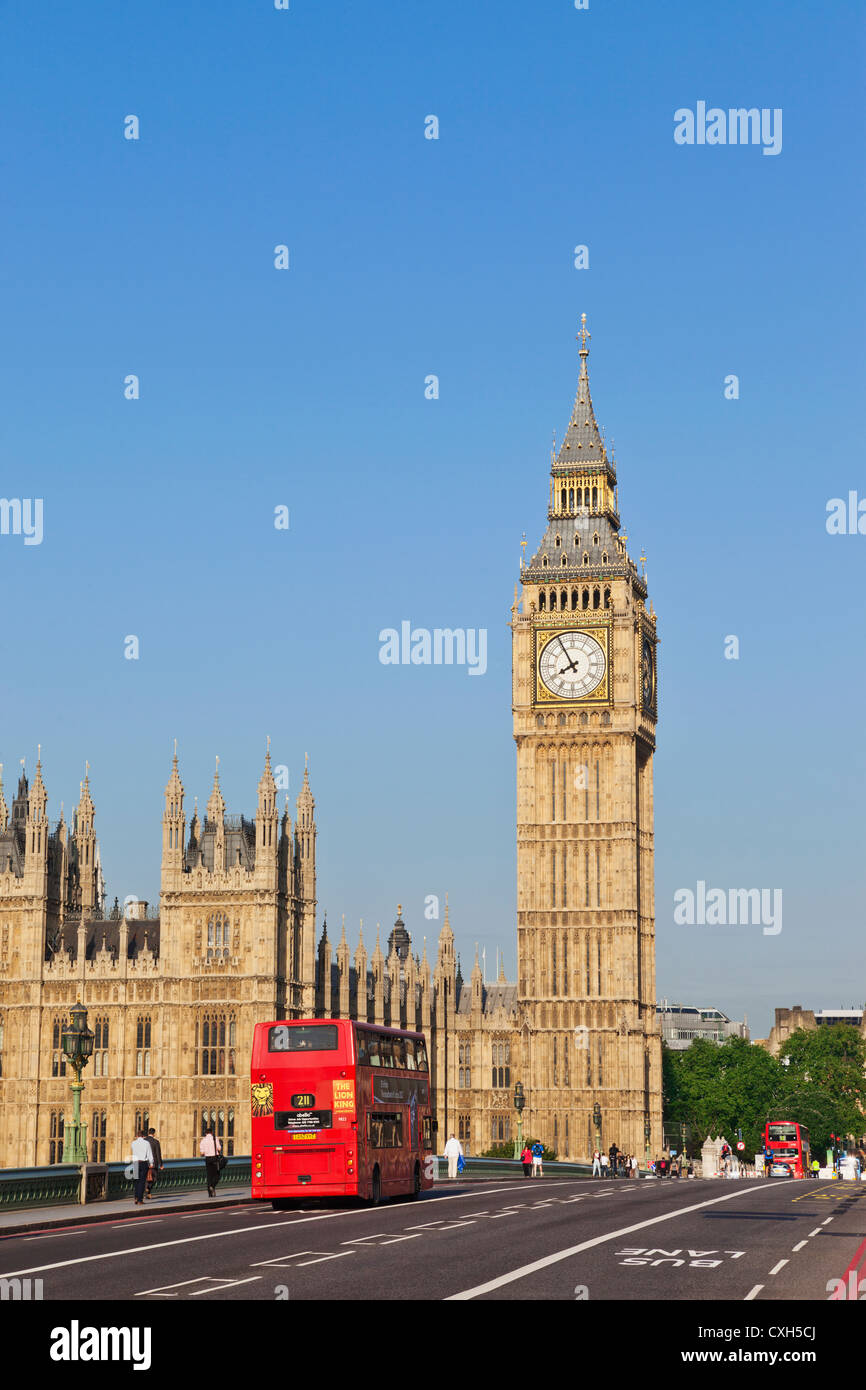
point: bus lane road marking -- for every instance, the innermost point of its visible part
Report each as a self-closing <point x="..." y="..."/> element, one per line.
<point x="525" y="1270"/>
<point x="292" y="1221"/>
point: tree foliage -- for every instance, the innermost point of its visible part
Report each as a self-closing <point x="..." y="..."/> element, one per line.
<point x="819" y="1079"/>
<point x="824" y="1081"/>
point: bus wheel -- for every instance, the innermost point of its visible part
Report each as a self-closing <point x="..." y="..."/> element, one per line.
<point x="416" y="1182"/>
<point x="376" y="1188"/>
<point x="280" y="1204"/>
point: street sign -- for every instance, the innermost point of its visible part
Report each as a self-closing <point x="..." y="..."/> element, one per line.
<point x="740" y="1144"/>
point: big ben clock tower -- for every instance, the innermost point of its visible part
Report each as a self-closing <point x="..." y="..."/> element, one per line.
<point x="585" y="709"/>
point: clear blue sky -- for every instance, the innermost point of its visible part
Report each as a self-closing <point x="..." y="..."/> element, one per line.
<point x="409" y="257"/>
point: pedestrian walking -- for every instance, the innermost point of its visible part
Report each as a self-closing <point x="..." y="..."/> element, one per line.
<point x="537" y="1155"/>
<point x="596" y="1163"/>
<point x="157" y="1164"/>
<point x="605" y="1165"/>
<point x="613" y="1153"/>
<point x="453" y="1152"/>
<point x="526" y="1160"/>
<point x="211" y="1149"/>
<point x="142" y="1158"/>
<point x="634" y="1165"/>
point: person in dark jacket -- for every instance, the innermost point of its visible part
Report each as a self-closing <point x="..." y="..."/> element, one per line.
<point x="613" y="1155"/>
<point x="154" y="1170"/>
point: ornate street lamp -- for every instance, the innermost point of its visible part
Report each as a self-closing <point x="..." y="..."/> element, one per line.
<point x="77" y="1042"/>
<point x="519" y="1103"/>
<point x="683" y="1141"/>
<point x="596" y="1119"/>
<point x="647" y="1131"/>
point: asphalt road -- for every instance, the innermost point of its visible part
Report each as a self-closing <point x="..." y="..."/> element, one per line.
<point x="533" y="1239"/>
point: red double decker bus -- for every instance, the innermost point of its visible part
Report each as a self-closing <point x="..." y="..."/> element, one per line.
<point x="339" y="1109"/>
<point x="786" y="1149"/>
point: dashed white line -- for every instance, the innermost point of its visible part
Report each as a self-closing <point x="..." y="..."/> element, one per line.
<point x="816" y="1232"/>
<point x="795" y="1248"/>
<point x="780" y="1265"/>
<point x="753" y="1293"/>
<point x="824" y="1223"/>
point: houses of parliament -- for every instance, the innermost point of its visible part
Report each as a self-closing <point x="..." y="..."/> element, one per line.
<point x="173" y="995"/>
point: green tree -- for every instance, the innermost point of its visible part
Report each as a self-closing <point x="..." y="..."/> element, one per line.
<point x="717" y="1088"/>
<point x="824" y="1081"/>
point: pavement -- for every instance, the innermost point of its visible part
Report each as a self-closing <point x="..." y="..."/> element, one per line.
<point x="30" y="1219"/>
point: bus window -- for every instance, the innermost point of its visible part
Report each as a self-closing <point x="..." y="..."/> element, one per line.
<point x="385" y="1131"/>
<point x="297" y="1038"/>
<point x="428" y="1133"/>
<point x="399" y="1052"/>
<point x="421" y="1054"/>
<point x="363" y="1047"/>
<point x="374" y="1058"/>
<point x="386" y="1050"/>
<point x="410" y="1054"/>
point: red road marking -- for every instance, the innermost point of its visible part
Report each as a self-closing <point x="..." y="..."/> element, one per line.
<point x="843" y="1292"/>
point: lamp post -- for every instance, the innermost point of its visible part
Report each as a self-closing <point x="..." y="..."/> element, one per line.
<point x="647" y="1131"/>
<point x="77" y="1043"/>
<point x="682" y="1142"/>
<point x="596" y="1119"/>
<point x="519" y="1103"/>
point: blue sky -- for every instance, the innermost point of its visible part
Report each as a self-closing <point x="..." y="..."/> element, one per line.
<point x="306" y="388"/>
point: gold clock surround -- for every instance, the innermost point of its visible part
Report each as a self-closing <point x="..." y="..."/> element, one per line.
<point x="600" y="632"/>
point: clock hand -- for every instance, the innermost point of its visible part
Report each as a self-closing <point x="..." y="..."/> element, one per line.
<point x="572" y="664"/>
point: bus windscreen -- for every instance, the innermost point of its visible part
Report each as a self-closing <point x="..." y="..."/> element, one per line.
<point x="285" y="1038"/>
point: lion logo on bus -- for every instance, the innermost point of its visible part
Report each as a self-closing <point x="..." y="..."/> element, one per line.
<point x="262" y="1098"/>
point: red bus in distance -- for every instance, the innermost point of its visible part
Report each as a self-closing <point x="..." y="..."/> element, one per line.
<point x="787" y="1144"/>
<point x="339" y="1109"/>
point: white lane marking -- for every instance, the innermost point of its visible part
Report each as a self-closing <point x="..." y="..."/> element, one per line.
<point x="161" y="1288"/>
<point x="525" y="1270"/>
<point x="825" y="1223"/>
<point x="49" y="1236"/>
<point x="753" y="1292"/>
<point x="816" y="1232"/>
<point x="225" y="1284"/>
<point x="322" y="1258"/>
<point x="381" y="1238"/>
<point x="795" y="1248"/>
<point x="287" y="1261"/>
<point x="243" y="1230"/>
<point x="780" y="1265"/>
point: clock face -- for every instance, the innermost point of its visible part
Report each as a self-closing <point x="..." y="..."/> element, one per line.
<point x="572" y="665"/>
<point x="648" y="679"/>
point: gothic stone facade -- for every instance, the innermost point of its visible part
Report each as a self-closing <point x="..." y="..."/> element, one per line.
<point x="173" y="1000"/>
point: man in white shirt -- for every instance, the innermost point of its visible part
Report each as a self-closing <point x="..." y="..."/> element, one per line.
<point x="210" y="1149"/>
<point x="142" y="1158"/>
<point x="453" y="1151"/>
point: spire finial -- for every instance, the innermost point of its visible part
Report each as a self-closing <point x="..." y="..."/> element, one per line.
<point x="583" y="335"/>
